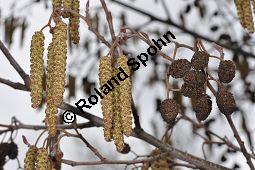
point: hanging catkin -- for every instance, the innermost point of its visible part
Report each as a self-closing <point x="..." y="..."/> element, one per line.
<point x="51" y="109"/>
<point x="67" y="5"/>
<point x="51" y="119"/>
<point x="42" y="160"/>
<point x="29" y="161"/>
<point x="74" y="22"/>
<point x="248" y="15"/>
<point x="125" y="97"/>
<point x="105" y="73"/>
<point x="240" y="12"/>
<point x="36" y="68"/>
<point x="60" y="51"/>
<point x="56" y="4"/>
<point x="117" y="121"/>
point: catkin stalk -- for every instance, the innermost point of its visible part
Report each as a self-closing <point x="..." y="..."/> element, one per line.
<point x="36" y="68"/>
<point x="125" y="97"/>
<point x="105" y="73"/>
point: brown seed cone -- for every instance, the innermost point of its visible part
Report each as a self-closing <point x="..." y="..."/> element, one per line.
<point x="43" y="162"/>
<point x="4" y="149"/>
<point x="179" y="68"/>
<point x="60" y="51"/>
<point x="240" y="12"/>
<point x="202" y="106"/>
<point x="13" y="152"/>
<point x="248" y="15"/>
<point x="117" y="121"/>
<point x="105" y="73"/>
<point x="195" y="78"/>
<point x="36" y="68"/>
<point x="200" y="60"/>
<point x="74" y="23"/>
<point x="192" y="91"/>
<point x="30" y="159"/>
<point x="169" y="110"/>
<point x="225" y="101"/>
<point x="125" y="97"/>
<point x="226" y="71"/>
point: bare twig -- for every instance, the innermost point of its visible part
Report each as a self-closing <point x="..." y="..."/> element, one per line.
<point x="15" y="65"/>
<point x="13" y="84"/>
<point x="93" y="149"/>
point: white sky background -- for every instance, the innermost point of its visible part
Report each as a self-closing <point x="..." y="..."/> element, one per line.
<point x="17" y="103"/>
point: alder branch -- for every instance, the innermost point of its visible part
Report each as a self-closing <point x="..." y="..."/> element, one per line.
<point x="224" y="140"/>
<point x="14" y="85"/>
<point x="15" y="65"/>
<point x="42" y="127"/>
<point x="140" y="134"/>
<point x="188" y="31"/>
<point x="93" y="149"/>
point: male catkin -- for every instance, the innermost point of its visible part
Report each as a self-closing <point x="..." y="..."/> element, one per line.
<point x="105" y="73"/>
<point x="56" y="4"/>
<point x="240" y="12"/>
<point x="117" y="121"/>
<point x="51" y="109"/>
<point x="67" y="4"/>
<point x="248" y="15"/>
<point x="60" y="51"/>
<point x="51" y="119"/>
<point x="74" y="22"/>
<point x="36" y="68"/>
<point x="125" y="97"/>
<point x="30" y="159"/>
<point x="42" y="160"/>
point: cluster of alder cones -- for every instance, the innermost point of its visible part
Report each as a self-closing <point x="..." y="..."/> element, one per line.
<point x="244" y="11"/>
<point x="116" y="105"/>
<point x="7" y="149"/>
<point x="195" y="76"/>
<point x="56" y="63"/>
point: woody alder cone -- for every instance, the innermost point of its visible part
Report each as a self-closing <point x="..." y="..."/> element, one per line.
<point x="195" y="78"/>
<point x="192" y="91"/>
<point x="226" y="71"/>
<point x="225" y="101"/>
<point x="179" y="68"/>
<point x="13" y="152"/>
<point x="169" y="110"/>
<point x="202" y="106"/>
<point x="200" y="60"/>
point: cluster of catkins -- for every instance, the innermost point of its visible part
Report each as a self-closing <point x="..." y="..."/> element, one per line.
<point x="195" y="76"/>
<point x="7" y="149"/>
<point x="244" y="11"/>
<point x="37" y="159"/>
<point x="56" y="63"/>
<point x="116" y="105"/>
<point x="158" y="164"/>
